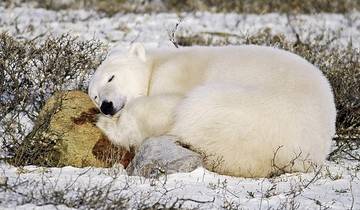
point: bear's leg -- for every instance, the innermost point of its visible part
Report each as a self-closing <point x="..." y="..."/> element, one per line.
<point x="154" y="114"/>
<point x="122" y="130"/>
<point x="140" y="119"/>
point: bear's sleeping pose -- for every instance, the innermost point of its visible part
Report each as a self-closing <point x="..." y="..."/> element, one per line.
<point x="252" y="111"/>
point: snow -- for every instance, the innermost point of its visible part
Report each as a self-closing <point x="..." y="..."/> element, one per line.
<point x="333" y="186"/>
<point x="153" y="28"/>
<point x="336" y="185"/>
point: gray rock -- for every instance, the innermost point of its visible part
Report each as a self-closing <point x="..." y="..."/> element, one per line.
<point x="3" y="180"/>
<point x="163" y="155"/>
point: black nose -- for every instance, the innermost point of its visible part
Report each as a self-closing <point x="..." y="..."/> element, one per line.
<point x="107" y="108"/>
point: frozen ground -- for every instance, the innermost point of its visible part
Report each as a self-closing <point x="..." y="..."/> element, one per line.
<point x="334" y="186"/>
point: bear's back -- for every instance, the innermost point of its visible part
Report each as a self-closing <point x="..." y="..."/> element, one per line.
<point x="180" y="70"/>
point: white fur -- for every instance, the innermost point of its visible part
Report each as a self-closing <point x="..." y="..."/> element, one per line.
<point x="260" y="110"/>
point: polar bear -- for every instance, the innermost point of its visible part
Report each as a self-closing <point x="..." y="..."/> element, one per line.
<point x="252" y="111"/>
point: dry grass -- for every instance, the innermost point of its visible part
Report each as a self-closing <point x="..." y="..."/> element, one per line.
<point x="107" y="194"/>
<point x="264" y="6"/>
<point x="111" y="7"/>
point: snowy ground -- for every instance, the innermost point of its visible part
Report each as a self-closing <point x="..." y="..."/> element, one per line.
<point x="334" y="186"/>
<point x="153" y="28"/>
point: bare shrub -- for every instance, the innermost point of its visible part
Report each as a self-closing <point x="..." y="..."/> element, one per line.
<point x="32" y="71"/>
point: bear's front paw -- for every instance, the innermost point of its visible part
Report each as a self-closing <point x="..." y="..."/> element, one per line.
<point x="106" y="124"/>
<point x="122" y="131"/>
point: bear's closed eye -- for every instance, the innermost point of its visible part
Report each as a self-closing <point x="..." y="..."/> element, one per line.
<point x="111" y="78"/>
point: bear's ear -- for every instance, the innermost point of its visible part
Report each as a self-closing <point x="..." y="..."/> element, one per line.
<point x="138" y="50"/>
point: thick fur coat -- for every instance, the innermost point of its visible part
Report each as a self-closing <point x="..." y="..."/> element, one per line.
<point x="252" y="111"/>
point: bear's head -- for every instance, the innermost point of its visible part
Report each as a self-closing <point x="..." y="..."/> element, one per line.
<point x="119" y="79"/>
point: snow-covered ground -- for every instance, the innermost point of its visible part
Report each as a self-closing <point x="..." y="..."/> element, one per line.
<point x="154" y="28"/>
<point x="334" y="186"/>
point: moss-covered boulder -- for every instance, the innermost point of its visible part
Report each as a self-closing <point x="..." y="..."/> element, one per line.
<point x="65" y="134"/>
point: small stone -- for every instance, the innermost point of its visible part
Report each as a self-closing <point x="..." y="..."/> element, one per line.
<point x="3" y="180"/>
<point x="162" y="155"/>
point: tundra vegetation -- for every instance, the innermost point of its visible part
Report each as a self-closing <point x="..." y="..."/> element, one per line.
<point x="111" y="7"/>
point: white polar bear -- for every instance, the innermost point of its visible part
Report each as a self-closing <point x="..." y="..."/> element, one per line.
<point x="259" y="110"/>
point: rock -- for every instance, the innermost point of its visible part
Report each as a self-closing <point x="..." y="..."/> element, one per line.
<point x="3" y="180"/>
<point x="70" y="137"/>
<point x="163" y="155"/>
